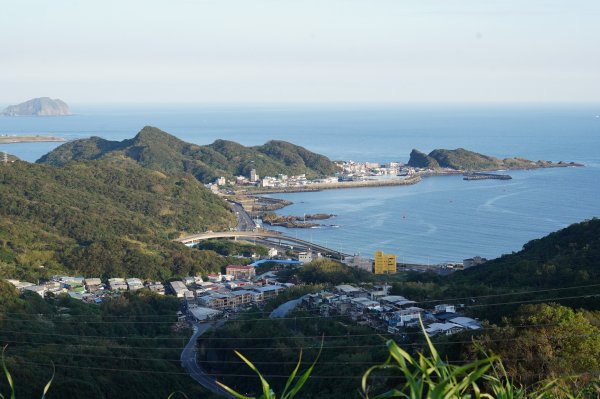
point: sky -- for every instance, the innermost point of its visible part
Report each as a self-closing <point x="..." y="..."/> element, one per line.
<point x="244" y="51"/>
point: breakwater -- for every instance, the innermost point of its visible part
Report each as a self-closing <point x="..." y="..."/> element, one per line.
<point x="485" y="176"/>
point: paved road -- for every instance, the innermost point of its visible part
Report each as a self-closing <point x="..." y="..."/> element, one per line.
<point x="283" y="309"/>
<point x="188" y="361"/>
<point x="245" y="222"/>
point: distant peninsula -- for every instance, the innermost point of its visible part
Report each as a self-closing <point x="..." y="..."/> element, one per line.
<point x="42" y="106"/>
<point x="465" y="160"/>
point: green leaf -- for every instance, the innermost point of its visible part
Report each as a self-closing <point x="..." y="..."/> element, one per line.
<point x="8" y="376"/>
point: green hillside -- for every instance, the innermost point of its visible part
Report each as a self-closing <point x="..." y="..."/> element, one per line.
<point x="461" y="159"/>
<point x="101" y="218"/>
<point x="568" y="257"/>
<point x="158" y="150"/>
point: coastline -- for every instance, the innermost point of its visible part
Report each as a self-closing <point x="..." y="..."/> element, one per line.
<point x="334" y="186"/>
<point x="30" y="139"/>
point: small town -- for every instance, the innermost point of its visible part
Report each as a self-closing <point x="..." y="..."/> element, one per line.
<point x="223" y="295"/>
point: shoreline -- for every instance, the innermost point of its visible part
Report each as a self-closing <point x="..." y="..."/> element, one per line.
<point x="276" y="204"/>
<point x="335" y="186"/>
<point x="30" y="139"/>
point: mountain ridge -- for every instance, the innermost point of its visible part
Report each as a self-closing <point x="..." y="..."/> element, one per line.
<point x="159" y="150"/>
<point x="461" y="159"/>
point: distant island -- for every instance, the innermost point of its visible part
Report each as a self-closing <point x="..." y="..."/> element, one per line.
<point x="465" y="160"/>
<point x="29" y="139"/>
<point x="42" y="106"/>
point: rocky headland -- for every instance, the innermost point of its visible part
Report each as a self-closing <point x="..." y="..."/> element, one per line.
<point x="42" y="106"/>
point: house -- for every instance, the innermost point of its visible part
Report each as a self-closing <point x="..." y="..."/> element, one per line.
<point x="305" y="257"/>
<point x="38" y="289"/>
<point x="268" y="291"/>
<point x="178" y="288"/>
<point x="445" y="308"/>
<point x="401" y="318"/>
<point x="201" y="313"/>
<point x="442" y="328"/>
<point x="93" y="284"/>
<point x="241" y="272"/>
<point x="156" y="287"/>
<point x="214" y="278"/>
<point x="348" y="290"/>
<point x="134" y="284"/>
<point x="466" y="322"/>
<point x="117" y="284"/>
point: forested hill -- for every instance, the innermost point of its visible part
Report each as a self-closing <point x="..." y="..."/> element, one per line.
<point x="100" y="218"/>
<point x="158" y="150"/>
<point x="568" y="257"/>
<point x="461" y="159"/>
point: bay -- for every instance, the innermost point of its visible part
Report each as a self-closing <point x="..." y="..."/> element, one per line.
<point x="441" y="218"/>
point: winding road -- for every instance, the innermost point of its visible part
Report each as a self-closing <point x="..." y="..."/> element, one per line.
<point x="188" y="361"/>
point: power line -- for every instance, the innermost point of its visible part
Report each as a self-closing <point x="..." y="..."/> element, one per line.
<point x="315" y="346"/>
<point x="589" y="295"/>
<point x="248" y="375"/>
<point x="261" y="338"/>
<point x="416" y="302"/>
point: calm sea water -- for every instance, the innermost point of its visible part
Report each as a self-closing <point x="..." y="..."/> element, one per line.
<point x="441" y="218"/>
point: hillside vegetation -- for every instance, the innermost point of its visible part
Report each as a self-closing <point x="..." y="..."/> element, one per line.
<point x="103" y="219"/>
<point x="461" y="159"/>
<point x="158" y="150"/>
<point x="126" y="347"/>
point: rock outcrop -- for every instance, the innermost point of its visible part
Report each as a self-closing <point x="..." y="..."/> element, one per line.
<point x="43" y="106"/>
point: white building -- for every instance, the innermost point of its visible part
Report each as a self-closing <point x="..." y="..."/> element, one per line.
<point x="179" y="288"/>
<point x="305" y="257"/>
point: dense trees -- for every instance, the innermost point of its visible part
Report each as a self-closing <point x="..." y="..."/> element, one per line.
<point x="103" y="219"/>
<point x="127" y="347"/>
<point x="155" y="149"/>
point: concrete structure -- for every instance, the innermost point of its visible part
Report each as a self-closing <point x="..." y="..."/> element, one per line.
<point x="254" y="177"/>
<point x="384" y="263"/>
<point x="93" y="284"/>
<point x="359" y="262"/>
<point x="117" y="284"/>
<point x="474" y="261"/>
<point x="134" y="284"/>
<point x="38" y="289"/>
<point x="442" y="328"/>
<point x="157" y="287"/>
<point x="202" y="313"/>
<point x="305" y="257"/>
<point x="241" y="272"/>
<point x="179" y="288"/>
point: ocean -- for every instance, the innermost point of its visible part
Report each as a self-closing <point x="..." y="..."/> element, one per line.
<point x="440" y="219"/>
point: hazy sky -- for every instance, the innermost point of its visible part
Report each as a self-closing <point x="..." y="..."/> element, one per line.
<point x="300" y="50"/>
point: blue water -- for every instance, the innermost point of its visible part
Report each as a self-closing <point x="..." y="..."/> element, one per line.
<point x="439" y="219"/>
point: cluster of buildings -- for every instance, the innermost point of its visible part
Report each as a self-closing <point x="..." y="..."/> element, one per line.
<point x="383" y="263"/>
<point x="362" y="169"/>
<point x="222" y="293"/>
<point x="392" y="313"/>
<point x="91" y="290"/>
<point x="387" y="263"/>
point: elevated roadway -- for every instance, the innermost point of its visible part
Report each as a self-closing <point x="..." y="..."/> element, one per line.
<point x="262" y="235"/>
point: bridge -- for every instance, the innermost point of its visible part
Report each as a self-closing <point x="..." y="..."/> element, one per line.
<point x="267" y="236"/>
